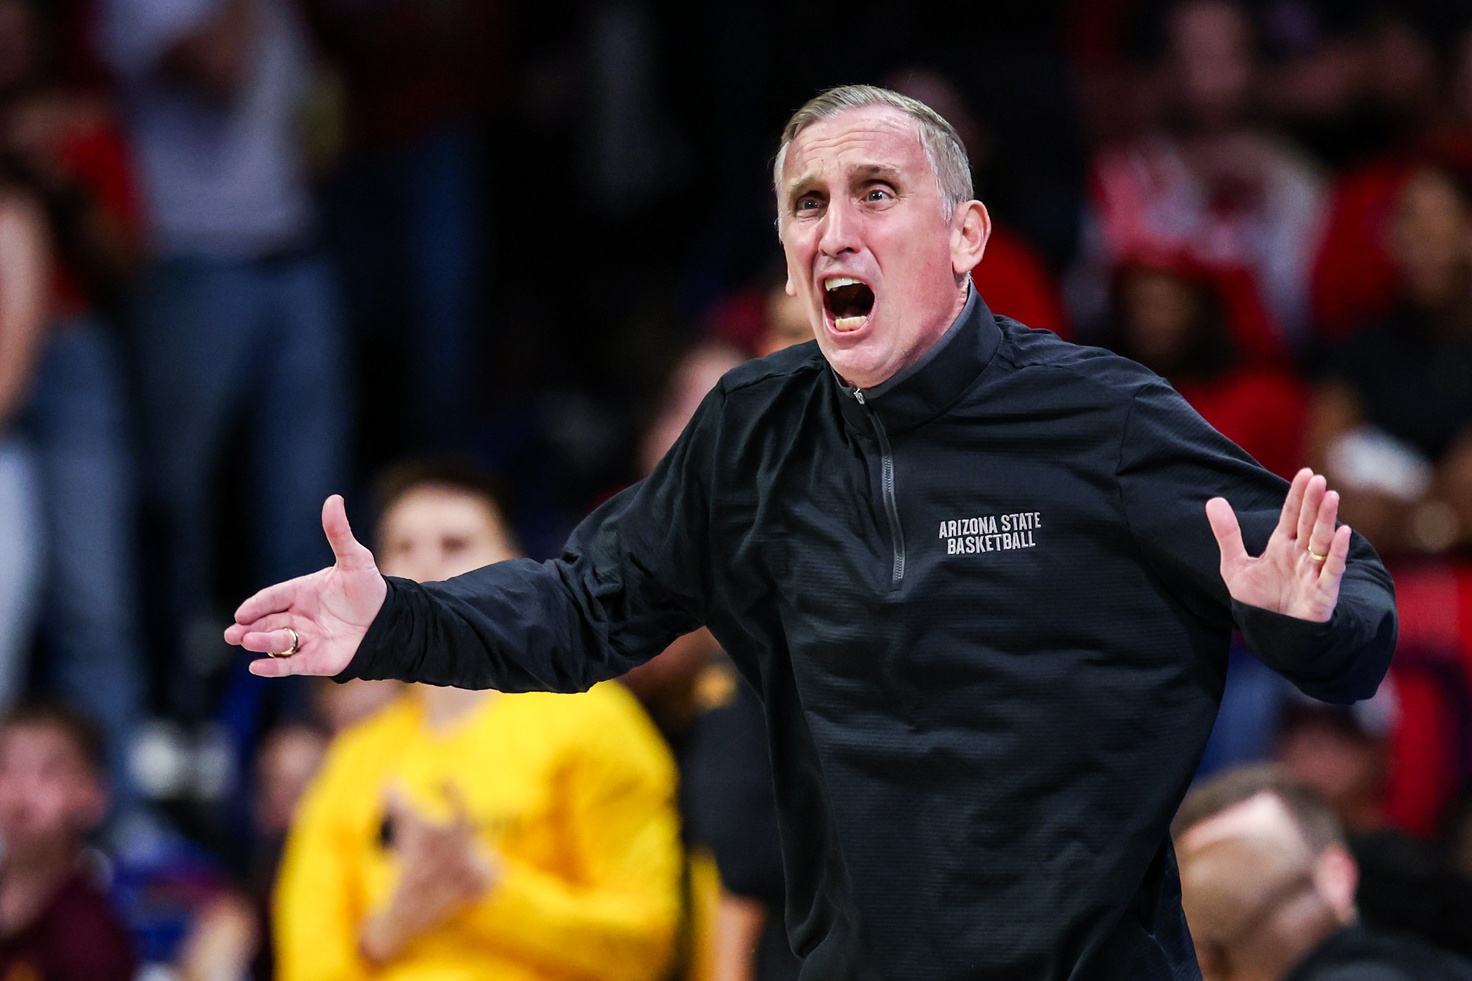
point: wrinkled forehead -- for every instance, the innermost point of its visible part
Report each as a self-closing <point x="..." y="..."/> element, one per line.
<point x="854" y="141"/>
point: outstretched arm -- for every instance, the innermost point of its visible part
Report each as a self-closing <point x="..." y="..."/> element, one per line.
<point x="634" y="575"/>
<point x="1328" y="626"/>
<point x="320" y="619"/>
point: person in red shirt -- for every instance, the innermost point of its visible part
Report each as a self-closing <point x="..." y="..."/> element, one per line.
<point x="55" y="922"/>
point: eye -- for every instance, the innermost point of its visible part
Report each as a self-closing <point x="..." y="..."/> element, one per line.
<point x="454" y="545"/>
<point x="878" y="194"/>
<point x="807" y="203"/>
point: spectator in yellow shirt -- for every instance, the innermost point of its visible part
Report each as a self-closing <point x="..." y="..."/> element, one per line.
<point x="480" y="835"/>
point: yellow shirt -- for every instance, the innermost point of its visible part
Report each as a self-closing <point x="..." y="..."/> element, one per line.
<point x="575" y="794"/>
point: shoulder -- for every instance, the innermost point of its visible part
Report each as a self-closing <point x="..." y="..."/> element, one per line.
<point x="1043" y="357"/>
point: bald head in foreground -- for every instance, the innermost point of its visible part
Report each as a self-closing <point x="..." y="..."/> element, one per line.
<point x="1269" y="889"/>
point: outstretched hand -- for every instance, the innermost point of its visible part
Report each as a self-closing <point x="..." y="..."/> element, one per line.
<point x="1299" y="571"/>
<point x="325" y="615"/>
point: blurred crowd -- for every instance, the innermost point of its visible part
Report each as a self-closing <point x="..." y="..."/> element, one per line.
<point x="254" y="252"/>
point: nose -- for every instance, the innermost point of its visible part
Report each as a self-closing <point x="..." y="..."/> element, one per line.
<point x="839" y="233"/>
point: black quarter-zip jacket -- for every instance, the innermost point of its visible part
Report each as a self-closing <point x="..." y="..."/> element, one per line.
<point x="983" y="609"/>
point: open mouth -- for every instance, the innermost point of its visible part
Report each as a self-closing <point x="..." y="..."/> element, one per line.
<point x="849" y="302"/>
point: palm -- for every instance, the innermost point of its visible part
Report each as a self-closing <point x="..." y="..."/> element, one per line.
<point x="1299" y="571"/>
<point x="326" y="613"/>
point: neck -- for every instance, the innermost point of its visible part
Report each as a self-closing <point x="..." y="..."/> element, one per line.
<point x="443" y="707"/>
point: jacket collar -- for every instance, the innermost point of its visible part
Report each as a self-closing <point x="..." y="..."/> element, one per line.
<point x="929" y="386"/>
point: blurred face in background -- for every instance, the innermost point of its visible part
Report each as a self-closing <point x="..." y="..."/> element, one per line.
<point x="1431" y="241"/>
<point x="49" y="793"/>
<point x="1212" y="62"/>
<point x="786" y="320"/>
<point x="288" y="759"/>
<point x="693" y="378"/>
<point x="1158" y="310"/>
<point x="873" y="261"/>
<point x="431" y="533"/>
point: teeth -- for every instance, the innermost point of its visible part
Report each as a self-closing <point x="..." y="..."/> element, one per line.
<point x="836" y="282"/>
<point x="850" y="323"/>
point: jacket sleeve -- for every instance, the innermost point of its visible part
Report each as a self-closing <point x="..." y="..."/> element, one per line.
<point x="634" y="576"/>
<point x="1171" y="463"/>
<point x="617" y="918"/>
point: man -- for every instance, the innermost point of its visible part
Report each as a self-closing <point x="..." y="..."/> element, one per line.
<point x="55" y="922"/>
<point x="965" y="564"/>
<point x="1269" y="888"/>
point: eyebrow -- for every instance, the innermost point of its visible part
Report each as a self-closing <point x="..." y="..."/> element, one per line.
<point x="862" y="173"/>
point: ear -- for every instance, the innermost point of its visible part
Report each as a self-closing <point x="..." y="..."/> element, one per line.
<point x="1337" y="877"/>
<point x="971" y="226"/>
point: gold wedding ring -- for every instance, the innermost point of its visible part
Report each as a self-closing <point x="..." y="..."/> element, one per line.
<point x="296" y="643"/>
<point x="1317" y="557"/>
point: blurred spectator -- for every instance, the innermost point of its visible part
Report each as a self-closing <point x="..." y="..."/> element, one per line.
<point x="406" y="214"/>
<point x="412" y="856"/>
<point x="237" y="319"/>
<point x="678" y="688"/>
<point x="736" y="817"/>
<point x="714" y="724"/>
<point x="25" y="250"/>
<point x="1390" y="424"/>
<point x="1269" y="887"/>
<point x="1185" y="321"/>
<point x="695" y="374"/>
<point x="1211" y="182"/>
<point x="64" y="145"/>
<point x="786" y="323"/>
<point x="55" y="922"/>
<point x="1343" y="754"/>
<point x="1351" y="80"/>
<point x="229" y="940"/>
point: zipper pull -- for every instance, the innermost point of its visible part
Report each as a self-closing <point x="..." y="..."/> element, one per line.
<point x="859" y="395"/>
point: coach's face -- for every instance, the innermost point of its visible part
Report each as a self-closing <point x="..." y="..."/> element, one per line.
<point x="877" y="267"/>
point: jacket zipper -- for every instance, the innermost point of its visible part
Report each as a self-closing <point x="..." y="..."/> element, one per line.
<point x="886" y="482"/>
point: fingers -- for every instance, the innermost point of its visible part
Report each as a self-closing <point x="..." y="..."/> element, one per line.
<point x="272" y="599"/>
<point x="1333" y="567"/>
<point x="1226" y="529"/>
<point x="237" y="633"/>
<point x="350" y="553"/>
<point x="1321" y="532"/>
<point x="1293" y="504"/>
<point x="1313" y="497"/>
<point x="272" y="641"/>
<point x="277" y="667"/>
